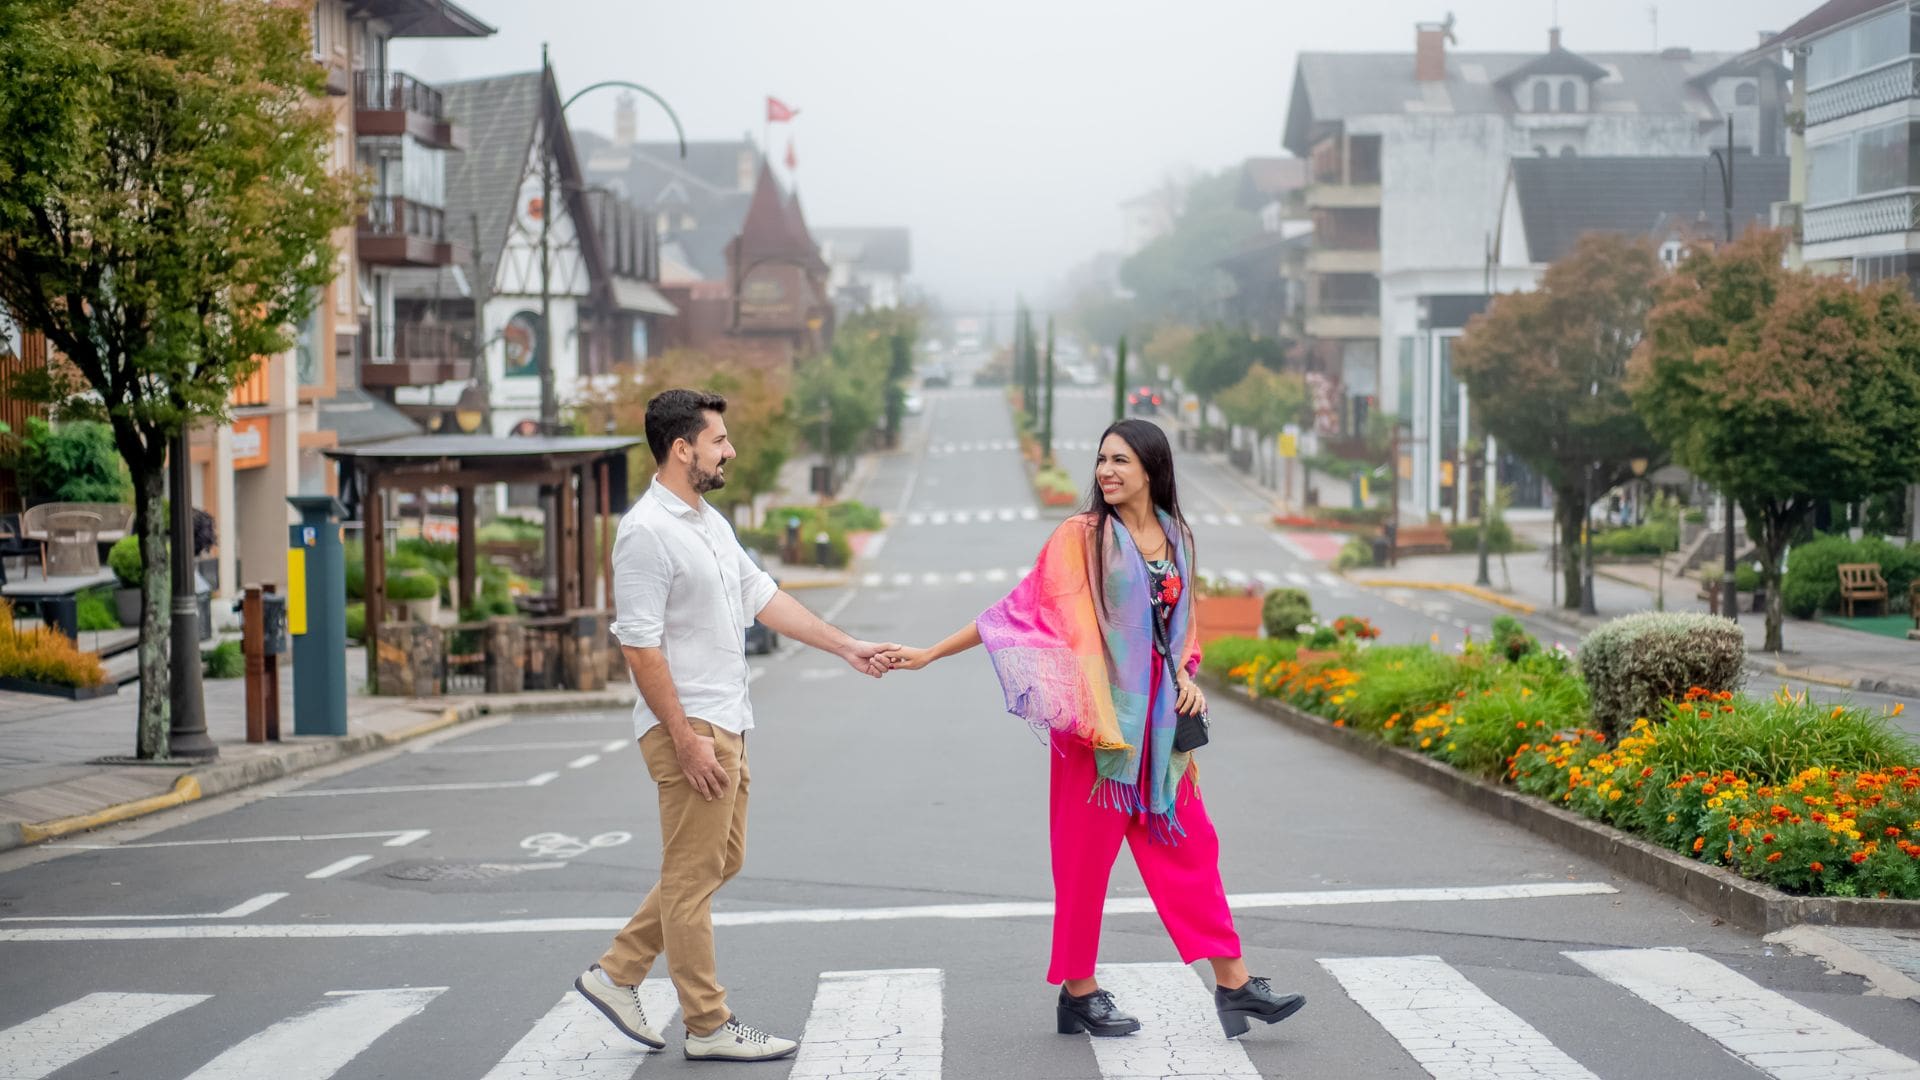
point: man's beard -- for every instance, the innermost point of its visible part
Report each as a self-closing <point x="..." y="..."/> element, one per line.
<point x="704" y="481"/>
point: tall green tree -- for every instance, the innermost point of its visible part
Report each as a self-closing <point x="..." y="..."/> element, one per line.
<point x="1265" y="401"/>
<point x="1120" y="381"/>
<point x="1782" y="388"/>
<point x="1546" y="374"/>
<point x="1218" y="357"/>
<point x="166" y="217"/>
<point x="1046" y="422"/>
<point x="1177" y="276"/>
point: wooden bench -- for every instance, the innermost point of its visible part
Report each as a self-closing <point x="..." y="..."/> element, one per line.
<point x="1861" y="581"/>
<point x="1420" y="539"/>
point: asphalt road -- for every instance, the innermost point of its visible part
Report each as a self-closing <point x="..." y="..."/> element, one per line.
<point x="422" y="913"/>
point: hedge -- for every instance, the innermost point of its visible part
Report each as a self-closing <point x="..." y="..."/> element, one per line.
<point x="1634" y="663"/>
<point x="1812" y="582"/>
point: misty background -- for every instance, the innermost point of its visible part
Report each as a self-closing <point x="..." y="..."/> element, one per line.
<point x="1005" y="134"/>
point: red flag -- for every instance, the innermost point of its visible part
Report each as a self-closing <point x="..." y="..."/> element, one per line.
<point x="791" y="162"/>
<point x="778" y="112"/>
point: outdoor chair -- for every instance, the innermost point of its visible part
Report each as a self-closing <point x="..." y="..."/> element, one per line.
<point x="15" y="545"/>
<point x="71" y="543"/>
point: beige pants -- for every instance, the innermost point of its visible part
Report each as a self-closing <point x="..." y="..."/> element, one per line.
<point x="702" y="844"/>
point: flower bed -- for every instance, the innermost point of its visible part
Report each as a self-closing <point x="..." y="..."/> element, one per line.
<point x="1810" y="799"/>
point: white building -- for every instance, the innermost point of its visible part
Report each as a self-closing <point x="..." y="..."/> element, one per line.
<point x="1409" y="155"/>
<point x="866" y="267"/>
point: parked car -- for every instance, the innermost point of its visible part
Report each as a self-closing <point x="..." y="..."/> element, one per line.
<point x="1144" y="402"/>
<point x="760" y="640"/>
<point x="936" y="375"/>
<point x="914" y="404"/>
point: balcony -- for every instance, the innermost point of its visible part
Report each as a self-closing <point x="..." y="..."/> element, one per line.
<point x="1337" y="196"/>
<point x="424" y="354"/>
<point x="396" y="232"/>
<point x="1330" y="325"/>
<point x="1881" y="86"/>
<point x="394" y="103"/>
<point x="1884" y="215"/>
<point x="1343" y="261"/>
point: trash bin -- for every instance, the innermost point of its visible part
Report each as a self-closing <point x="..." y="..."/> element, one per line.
<point x="1380" y="551"/>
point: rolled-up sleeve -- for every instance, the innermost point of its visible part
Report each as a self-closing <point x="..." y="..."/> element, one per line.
<point x="756" y="585"/>
<point x="642" y="578"/>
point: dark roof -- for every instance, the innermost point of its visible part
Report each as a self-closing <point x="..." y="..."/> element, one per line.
<point x="706" y="185"/>
<point x="1332" y="87"/>
<point x="774" y="226"/>
<point x="1562" y="198"/>
<point x="355" y="417"/>
<point x="885" y="248"/>
<point x="1555" y="61"/>
<point x="1823" y="18"/>
<point x="422" y="18"/>
<point x="439" y="447"/>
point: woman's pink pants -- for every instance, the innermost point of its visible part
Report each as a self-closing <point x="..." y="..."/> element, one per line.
<point x="1182" y="878"/>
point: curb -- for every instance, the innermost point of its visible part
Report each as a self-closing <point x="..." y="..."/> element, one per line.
<point x="1866" y="683"/>
<point x="220" y="778"/>
<point x="1484" y="595"/>
<point x="1709" y="888"/>
<point x="1844" y="959"/>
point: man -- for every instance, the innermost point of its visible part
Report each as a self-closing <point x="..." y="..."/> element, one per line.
<point x="685" y="593"/>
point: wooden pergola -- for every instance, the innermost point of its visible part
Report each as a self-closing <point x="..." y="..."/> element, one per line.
<point x="587" y="474"/>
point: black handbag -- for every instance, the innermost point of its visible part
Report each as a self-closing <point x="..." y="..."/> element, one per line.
<point x="1190" y="733"/>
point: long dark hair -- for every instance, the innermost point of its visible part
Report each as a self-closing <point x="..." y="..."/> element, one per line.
<point x="1149" y="445"/>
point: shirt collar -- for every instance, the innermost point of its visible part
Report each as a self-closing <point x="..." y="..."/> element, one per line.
<point x="672" y="502"/>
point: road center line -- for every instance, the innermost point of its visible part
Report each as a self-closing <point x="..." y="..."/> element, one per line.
<point x="583" y="761"/>
<point x="401" y="838"/>
<point x="508" y="748"/>
<point x="396" y="789"/>
<point x="237" y="911"/>
<point x="1026" y="909"/>
<point x="338" y="866"/>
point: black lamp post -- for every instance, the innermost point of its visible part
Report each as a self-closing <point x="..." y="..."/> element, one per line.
<point x="1730" y="598"/>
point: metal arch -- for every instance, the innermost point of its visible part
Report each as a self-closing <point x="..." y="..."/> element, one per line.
<point x="678" y="131"/>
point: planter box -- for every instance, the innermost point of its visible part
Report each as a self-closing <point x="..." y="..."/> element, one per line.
<point x="72" y="693"/>
<point x="1226" y="616"/>
<point x="126" y="603"/>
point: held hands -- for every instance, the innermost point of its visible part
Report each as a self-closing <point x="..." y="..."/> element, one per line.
<point x="905" y="659"/>
<point x="1190" y="702"/>
<point x="869" y="658"/>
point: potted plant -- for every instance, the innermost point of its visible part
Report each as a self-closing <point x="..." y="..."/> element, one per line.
<point x="1222" y="609"/>
<point x="418" y="592"/>
<point x="124" y="560"/>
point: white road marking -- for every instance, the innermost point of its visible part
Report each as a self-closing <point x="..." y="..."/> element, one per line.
<point x="902" y="580"/>
<point x="1236" y="578"/>
<point x="1028" y="513"/>
<point x="930" y="579"/>
<point x="1292" y="548"/>
<point x="510" y="748"/>
<point x="1232" y="519"/>
<point x="916" y="518"/>
<point x="63" y="1035"/>
<point x="318" y="1043"/>
<point x="237" y="911"/>
<point x="1268" y="578"/>
<point x="1332" y="580"/>
<point x="1023" y="572"/>
<point x="964" y="577"/>
<point x="401" y="838"/>
<point x="559" y="845"/>
<point x="1209" y="519"/>
<point x="996" y="576"/>
<point x="871" y="581"/>
<point x="583" y="761"/>
<point x="1449" y="1025"/>
<point x="339" y="866"/>
<point x="938" y="517"/>
<point x="755" y="672"/>
<point x="963" y="517"/>
<point x="615" y="746"/>
<point x="1767" y="1030"/>
<point x="1007" y="514"/>
<point x="1179" y="1034"/>
<point x="543" y="779"/>
<point x="873" y="1025"/>
<point x="1136" y="905"/>
<point x="1298" y="578"/>
<point x="874" y="543"/>
<point x="574" y="1041"/>
<point x="397" y="789"/>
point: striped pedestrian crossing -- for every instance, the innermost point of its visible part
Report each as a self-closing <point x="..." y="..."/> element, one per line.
<point x="892" y="1023"/>
<point x="1237" y="577"/>
<point x="995" y="515"/>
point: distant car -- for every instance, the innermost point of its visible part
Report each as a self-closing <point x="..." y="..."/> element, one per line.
<point x="1083" y="375"/>
<point x="914" y="404"/>
<point x="1144" y="402"/>
<point x="936" y="375"/>
<point x="760" y="640"/>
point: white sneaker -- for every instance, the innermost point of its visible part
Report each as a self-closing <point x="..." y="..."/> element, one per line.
<point x="736" y="1041"/>
<point x="620" y="1004"/>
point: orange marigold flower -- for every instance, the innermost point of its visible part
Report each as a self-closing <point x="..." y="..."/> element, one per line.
<point x="1859" y="857"/>
<point x="1775" y="857"/>
<point x="1816" y="868"/>
<point x="1699" y="842"/>
<point x="1767" y="839"/>
<point x="1648" y="771"/>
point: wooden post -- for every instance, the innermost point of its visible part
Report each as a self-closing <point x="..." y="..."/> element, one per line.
<point x="374" y="558"/>
<point x="567" y="548"/>
<point x="270" y="671"/>
<point x="588" y="578"/>
<point x="466" y="593"/>
<point x="253" y="648"/>
<point x="606" y="536"/>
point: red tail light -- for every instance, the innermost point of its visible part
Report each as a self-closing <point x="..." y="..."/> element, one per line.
<point x="1156" y="399"/>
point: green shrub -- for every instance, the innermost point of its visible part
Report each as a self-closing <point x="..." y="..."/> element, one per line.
<point x="1772" y="740"/>
<point x="412" y="585"/>
<point x="1351" y="515"/>
<point x="224" y="661"/>
<point x="850" y="515"/>
<point x="1511" y="639"/>
<point x="1653" y="538"/>
<point x="440" y="557"/>
<point x="509" y="529"/>
<point x="766" y="539"/>
<point x="1284" y="611"/>
<point x="1489" y="727"/>
<point x="356" y="622"/>
<point x="1054" y="481"/>
<point x="1633" y="664"/>
<point x="1355" y="553"/>
<point x="97" y="611"/>
<point x="1812" y="581"/>
<point x="1500" y="539"/>
<point x="75" y="461"/>
<point x="1746" y="578"/>
<point x="124" y="560"/>
<point x="1224" y="654"/>
<point x="356" y="574"/>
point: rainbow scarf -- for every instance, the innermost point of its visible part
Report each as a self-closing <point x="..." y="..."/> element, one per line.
<point x="1079" y="669"/>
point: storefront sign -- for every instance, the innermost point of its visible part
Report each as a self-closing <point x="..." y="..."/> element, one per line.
<point x="250" y="442"/>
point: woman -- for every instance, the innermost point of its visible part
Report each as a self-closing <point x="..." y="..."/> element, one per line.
<point x="1081" y="648"/>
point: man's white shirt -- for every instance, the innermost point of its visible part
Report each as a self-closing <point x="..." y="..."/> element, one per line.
<point x="683" y="584"/>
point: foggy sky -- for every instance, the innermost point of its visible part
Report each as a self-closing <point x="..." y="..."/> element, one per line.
<point x="1005" y="133"/>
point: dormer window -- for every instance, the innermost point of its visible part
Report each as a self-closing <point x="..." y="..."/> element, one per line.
<point x="1542" y="96"/>
<point x="1569" y="96"/>
<point x="1746" y="94"/>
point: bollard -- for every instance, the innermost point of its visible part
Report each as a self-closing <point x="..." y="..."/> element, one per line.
<point x="822" y="548"/>
<point x="262" y="640"/>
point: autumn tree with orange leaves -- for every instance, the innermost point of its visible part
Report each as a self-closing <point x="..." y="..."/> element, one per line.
<point x="1781" y="388"/>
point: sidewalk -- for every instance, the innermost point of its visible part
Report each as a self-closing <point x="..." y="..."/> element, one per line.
<point x="53" y="780"/>
<point x="1523" y="582"/>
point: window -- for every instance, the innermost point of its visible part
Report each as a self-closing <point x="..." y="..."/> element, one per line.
<point x="1542" y="96"/>
<point x="1671" y="253"/>
<point x="1860" y="47"/>
<point x="1405" y="402"/>
<point x="1881" y="159"/>
<point x="309" y="364"/>
<point x="1569" y="97"/>
<point x="1568" y="151"/>
<point x="1746" y="93"/>
<point x="1829" y="176"/>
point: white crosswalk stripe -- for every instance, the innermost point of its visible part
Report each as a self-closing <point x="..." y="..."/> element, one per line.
<point x="1769" y="1031"/>
<point x="1450" y="1026"/>
<point x="574" y="1041"/>
<point x="889" y="1023"/>
<point x="1297" y="578"/>
<point x="871" y="581"/>
<point x="873" y="1025"/>
<point x="318" y="1043"/>
<point x="1268" y="578"/>
<point x="60" y="1036"/>
<point x="1179" y="1032"/>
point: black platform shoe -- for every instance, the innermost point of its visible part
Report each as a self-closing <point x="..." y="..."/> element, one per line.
<point x="1254" y="1001"/>
<point x="1095" y="1014"/>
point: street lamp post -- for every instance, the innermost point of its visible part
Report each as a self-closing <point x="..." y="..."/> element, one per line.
<point x="187" y="724"/>
<point x="1586" y="548"/>
<point x="1730" y="598"/>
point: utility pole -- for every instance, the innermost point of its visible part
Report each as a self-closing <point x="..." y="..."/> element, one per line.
<point x="1046" y="430"/>
<point x="1120" y="382"/>
<point x="187" y="726"/>
<point x="1729" y="593"/>
<point x="549" y="403"/>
